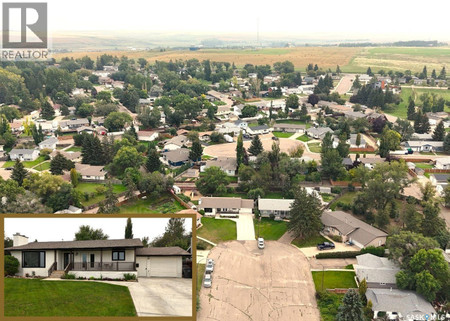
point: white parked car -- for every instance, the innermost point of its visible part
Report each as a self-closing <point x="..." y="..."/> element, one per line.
<point x="207" y="282"/>
<point x="209" y="267"/>
<point x="260" y="243"/>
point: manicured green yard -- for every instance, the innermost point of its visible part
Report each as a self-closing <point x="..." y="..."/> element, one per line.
<point x="26" y="164"/>
<point x="232" y="179"/>
<point x="270" y="229"/>
<point x="66" y="298"/>
<point x="282" y="135"/>
<point x="164" y="204"/>
<point x="304" y="138"/>
<point x="217" y="230"/>
<point x="87" y="187"/>
<point x="309" y="242"/>
<point x="293" y="121"/>
<point x="346" y="198"/>
<point x="327" y="197"/>
<point x="423" y="165"/>
<point x="200" y="273"/>
<point x="8" y="164"/>
<point x="314" y="147"/>
<point x="43" y="166"/>
<point x="334" y="280"/>
<point x="74" y="149"/>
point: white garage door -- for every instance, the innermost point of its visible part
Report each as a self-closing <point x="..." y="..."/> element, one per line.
<point x="165" y="266"/>
<point x="159" y="266"/>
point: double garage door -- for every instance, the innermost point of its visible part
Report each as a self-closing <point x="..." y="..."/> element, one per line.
<point x="159" y="266"/>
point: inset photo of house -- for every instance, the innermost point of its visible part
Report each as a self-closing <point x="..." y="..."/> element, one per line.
<point x="99" y="266"/>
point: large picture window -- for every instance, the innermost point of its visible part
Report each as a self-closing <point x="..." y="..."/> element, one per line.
<point x="35" y="259"/>
<point x="118" y="255"/>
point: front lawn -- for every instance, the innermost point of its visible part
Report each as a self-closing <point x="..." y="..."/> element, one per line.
<point x="90" y="188"/>
<point x="164" y="204"/>
<point x="65" y="298"/>
<point x="304" y="138"/>
<point x="293" y="121"/>
<point x="310" y="242"/>
<point x="315" y="147"/>
<point x="29" y="164"/>
<point x="74" y="149"/>
<point x="200" y="273"/>
<point x="424" y="165"/>
<point x="42" y="166"/>
<point x="270" y="229"/>
<point x="334" y="280"/>
<point x="346" y="198"/>
<point x="217" y="230"/>
<point x="282" y="134"/>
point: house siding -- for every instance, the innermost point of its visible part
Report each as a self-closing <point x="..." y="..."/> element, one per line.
<point x="49" y="260"/>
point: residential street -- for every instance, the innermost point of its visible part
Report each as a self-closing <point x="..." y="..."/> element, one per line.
<point x="253" y="284"/>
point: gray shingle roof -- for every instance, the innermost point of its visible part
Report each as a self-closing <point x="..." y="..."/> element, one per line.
<point x="161" y="251"/>
<point x="178" y="155"/>
<point x="224" y="202"/>
<point x="90" y="244"/>
<point x="225" y="163"/>
<point x="376" y="269"/>
<point x="21" y="151"/>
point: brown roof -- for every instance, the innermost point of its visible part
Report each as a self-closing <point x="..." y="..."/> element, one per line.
<point x="68" y="155"/>
<point x="161" y="251"/>
<point x="90" y="170"/>
<point x="90" y="244"/>
<point x="224" y="202"/>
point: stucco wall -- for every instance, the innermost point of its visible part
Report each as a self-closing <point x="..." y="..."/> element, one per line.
<point x="49" y="259"/>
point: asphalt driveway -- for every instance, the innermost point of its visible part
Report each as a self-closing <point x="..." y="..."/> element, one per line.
<point x="252" y="284"/>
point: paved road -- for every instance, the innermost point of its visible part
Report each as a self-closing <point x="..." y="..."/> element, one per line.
<point x="345" y="84"/>
<point x="252" y="284"/>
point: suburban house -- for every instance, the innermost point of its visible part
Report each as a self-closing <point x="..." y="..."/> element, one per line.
<point x="278" y="208"/>
<point x="73" y="156"/>
<point x="351" y="142"/>
<point x="319" y="132"/>
<point x="425" y="136"/>
<point x="91" y="172"/>
<point x="176" y="157"/>
<point x="86" y="129"/>
<point x="225" y="206"/>
<point x="70" y="210"/>
<point x="370" y="162"/>
<point x="258" y="130"/>
<point x="176" y="142"/>
<point x="289" y="128"/>
<point x="74" y="124"/>
<point x="406" y="305"/>
<point x="49" y="143"/>
<point x="352" y="229"/>
<point x="24" y="154"/>
<point x="355" y="115"/>
<point x="95" y="258"/>
<point x="147" y="136"/>
<point x="440" y="181"/>
<point x="424" y="146"/>
<point x="226" y="164"/>
<point x="443" y="163"/>
<point x="379" y="272"/>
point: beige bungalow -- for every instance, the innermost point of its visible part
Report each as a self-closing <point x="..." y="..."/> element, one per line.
<point x="225" y="206"/>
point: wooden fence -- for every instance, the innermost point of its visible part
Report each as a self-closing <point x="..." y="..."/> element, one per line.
<point x="436" y="170"/>
<point x="369" y="149"/>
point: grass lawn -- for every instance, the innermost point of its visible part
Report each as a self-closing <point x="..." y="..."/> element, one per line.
<point x="74" y="149"/>
<point x="8" y="164"/>
<point x="282" y="134"/>
<point x="217" y="230"/>
<point x="346" y="198"/>
<point x="315" y="147"/>
<point x="270" y="229"/>
<point x="309" y="242"/>
<point x="327" y="197"/>
<point x="334" y="280"/>
<point x="63" y="298"/>
<point x="43" y="166"/>
<point x="304" y="138"/>
<point x="200" y="273"/>
<point x="90" y="188"/>
<point x="232" y="179"/>
<point x="26" y="164"/>
<point x="293" y="121"/>
<point x="164" y="204"/>
<point x="423" y="165"/>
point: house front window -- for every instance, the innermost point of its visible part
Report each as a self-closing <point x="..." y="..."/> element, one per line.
<point x="34" y="259"/>
<point x="118" y="255"/>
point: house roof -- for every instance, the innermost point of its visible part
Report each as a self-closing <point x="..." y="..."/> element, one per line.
<point x="90" y="170"/>
<point x="162" y="251"/>
<point x="80" y="121"/>
<point x="68" y="155"/>
<point x="412" y="143"/>
<point x="262" y="127"/>
<point x="269" y="204"/>
<point x="224" y="202"/>
<point x="372" y="160"/>
<point x="441" y="177"/>
<point x="353" y="139"/>
<point x="376" y="269"/>
<point x="349" y="225"/>
<point x="85" y="128"/>
<point x="22" y="151"/>
<point x="289" y="126"/>
<point x="320" y="130"/>
<point x="443" y="160"/>
<point x="177" y="140"/>
<point x="400" y="301"/>
<point x="90" y="244"/>
<point x="145" y="133"/>
<point x="51" y="140"/>
<point x="178" y="155"/>
<point x="347" y="161"/>
<point x="225" y="163"/>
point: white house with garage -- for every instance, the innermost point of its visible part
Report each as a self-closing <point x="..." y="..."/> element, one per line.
<point x="49" y="143"/>
<point x="147" y="136"/>
<point x="95" y="258"/>
<point x="24" y="154"/>
<point x="225" y="206"/>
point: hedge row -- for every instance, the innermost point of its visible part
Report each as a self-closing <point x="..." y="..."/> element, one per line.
<point x="378" y="251"/>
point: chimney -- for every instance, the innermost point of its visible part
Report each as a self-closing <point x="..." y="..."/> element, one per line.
<point x="19" y="240"/>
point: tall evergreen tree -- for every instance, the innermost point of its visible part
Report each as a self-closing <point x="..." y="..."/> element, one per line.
<point x="92" y="151"/>
<point x="443" y="74"/>
<point x="153" y="163"/>
<point x="240" y="150"/>
<point x="369" y="71"/>
<point x="447" y="143"/>
<point x="439" y="132"/>
<point x="433" y="74"/>
<point x="47" y="111"/>
<point x="306" y="211"/>
<point x="256" y="146"/>
<point x="129" y="229"/>
<point x="196" y="150"/>
<point x="110" y="203"/>
<point x="59" y="163"/>
<point x="74" y="177"/>
<point x="38" y="135"/>
<point x="411" y="109"/>
<point x="19" y="172"/>
<point x="351" y="308"/>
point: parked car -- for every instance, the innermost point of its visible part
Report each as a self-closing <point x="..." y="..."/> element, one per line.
<point x="207" y="281"/>
<point x="210" y="261"/>
<point x="275" y="138"/>
<point x="260" y="243"/>
<point x="209" y="267"/>
<point x="325" y="246"/>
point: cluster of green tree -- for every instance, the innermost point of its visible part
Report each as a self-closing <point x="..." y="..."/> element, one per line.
<point x="331" y="158"/>
<point x="313" y="70"/>
<point x="324" y="85"/>
<point x="375" y="97"/>
<point x="6" y="137"/>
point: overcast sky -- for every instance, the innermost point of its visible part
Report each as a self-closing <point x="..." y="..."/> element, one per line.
<point x="347" y="18"/>
<point x="57" y="229"/>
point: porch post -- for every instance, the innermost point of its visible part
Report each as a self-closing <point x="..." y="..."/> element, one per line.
<point x="56" y="261"/>
<point x="101" y="259"/>
<point x="134" y="266"/>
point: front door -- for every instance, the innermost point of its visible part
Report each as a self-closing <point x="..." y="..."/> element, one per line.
<point x="66" y="259"/>
<point x="92" y="260"/>
<point x="84" y="260"/>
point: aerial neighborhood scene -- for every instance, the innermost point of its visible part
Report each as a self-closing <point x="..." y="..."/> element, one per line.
<point x="313" y="165"/>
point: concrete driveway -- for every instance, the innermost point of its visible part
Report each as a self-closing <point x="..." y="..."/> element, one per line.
<point x="339" y="247"/>
<point x="245" y="228"/>
<point x="252" y="284"/>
